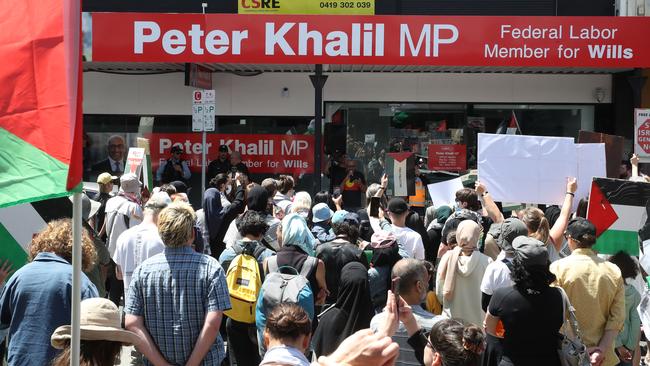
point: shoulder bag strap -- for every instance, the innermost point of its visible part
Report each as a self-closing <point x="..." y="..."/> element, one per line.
<point x="571" y="319"/>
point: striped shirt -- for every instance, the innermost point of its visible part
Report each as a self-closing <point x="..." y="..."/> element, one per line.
<point x="174" y="291"/>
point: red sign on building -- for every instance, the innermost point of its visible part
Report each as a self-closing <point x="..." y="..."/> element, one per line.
<point x="613" y="42"/>
<point x="286" y="154"/>
<point x="448" y="157"/>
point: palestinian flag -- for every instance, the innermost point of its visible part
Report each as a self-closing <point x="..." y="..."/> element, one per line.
<point x="400" y="168"/>
<point x="19" y="223"/>
<point x="40" y="105"/>
<point x="618" y="210"/>
<point x="509" y="127"/>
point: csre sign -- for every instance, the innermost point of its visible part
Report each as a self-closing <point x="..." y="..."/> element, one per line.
<point x="260" y="4"/>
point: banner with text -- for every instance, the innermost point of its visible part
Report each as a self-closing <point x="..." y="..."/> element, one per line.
<point x="358" y="7"/>
<point x="275" y="154"/>
<point x="612" y="42"/>
<point x="447" y="157"/>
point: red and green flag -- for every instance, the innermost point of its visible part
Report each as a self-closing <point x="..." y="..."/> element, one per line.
<point x="40" y="102"/>
<point x="618" y="210"/>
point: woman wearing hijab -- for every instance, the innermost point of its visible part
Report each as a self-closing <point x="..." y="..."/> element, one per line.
<point x="385" y="253"/>
<point x="217" y="218"/>
<point x="257" y="199"/>
<point x="351" y="312"/>
<point x="297" y="245"/>
<point x="434" y="232"/>
<point x="459" y="276"/>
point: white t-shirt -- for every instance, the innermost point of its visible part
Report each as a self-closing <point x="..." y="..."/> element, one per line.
<point x="496" y="276"/>
<point x="116" y="224"/>
<point x="134" y="246"/>
<point x="410" y="241"/>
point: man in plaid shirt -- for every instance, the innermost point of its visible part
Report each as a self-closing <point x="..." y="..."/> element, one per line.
<point x="176" y="299"/>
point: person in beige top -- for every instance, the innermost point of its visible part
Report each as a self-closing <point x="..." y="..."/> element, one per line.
<point x="596" y="290"/>
<point x="459" y="276"/>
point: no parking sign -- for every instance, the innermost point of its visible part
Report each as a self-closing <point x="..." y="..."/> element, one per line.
<point x="203" y="110"/>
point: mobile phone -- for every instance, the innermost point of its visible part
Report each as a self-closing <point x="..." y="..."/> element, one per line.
<point x="336" y="193"/>
<point x="374" y="206"/>
<point x="394" y="287"/>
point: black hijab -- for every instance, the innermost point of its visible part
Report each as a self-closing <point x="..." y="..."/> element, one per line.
<point x="352" y="311"/>
<point x="213" y="211"/>
<point x="257" y="199"/>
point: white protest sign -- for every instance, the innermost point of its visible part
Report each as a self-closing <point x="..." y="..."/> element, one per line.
<point x="591" y="164"/>
<point x="534" y="169"/>
<point x="444" y="193"/>
<point x="134" y="161"/>
<point x="203" y="110"/>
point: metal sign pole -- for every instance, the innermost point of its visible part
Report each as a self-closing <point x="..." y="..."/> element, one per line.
<point x="203" y="153"/>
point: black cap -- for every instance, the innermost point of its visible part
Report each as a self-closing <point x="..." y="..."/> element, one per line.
<point x="581" y="230"/>
<point x="397" y="206"/>
<point x="176" y="148"/>
<point x="223" y="148"/>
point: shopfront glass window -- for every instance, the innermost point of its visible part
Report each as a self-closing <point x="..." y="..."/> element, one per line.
<point x="374" y="129"/>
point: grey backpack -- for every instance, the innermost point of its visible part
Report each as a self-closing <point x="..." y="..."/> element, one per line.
<point x="284" y="284"/>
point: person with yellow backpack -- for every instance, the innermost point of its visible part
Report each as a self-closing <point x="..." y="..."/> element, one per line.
<point x="244" y="277"/>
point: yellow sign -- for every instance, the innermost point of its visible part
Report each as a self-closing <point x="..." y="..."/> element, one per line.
<point x="321" y="7"/>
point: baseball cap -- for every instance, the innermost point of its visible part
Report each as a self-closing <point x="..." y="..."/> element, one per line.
<point x="105" y="178"/>
<point x="397" y="206"/>
<point x="321" y="212"/>
<point x="129" y="183"/>
<point x="531" y="251"/>
<point x="223" y="148"/>
<point x="176" y="148"/>
<point x="581" y="229"/>
<point x="505" y="232"/>
<point x="339" y="216"/>
<point x="382" y="239"/>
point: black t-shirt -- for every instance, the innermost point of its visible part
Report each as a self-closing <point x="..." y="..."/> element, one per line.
<point x="335" y="255"/>
<point x="217" y="166"/>
<point x="531" y="324"/>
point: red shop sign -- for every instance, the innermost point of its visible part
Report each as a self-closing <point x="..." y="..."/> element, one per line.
<point x="287" y="154"/>
<point x="613" y="42"/>
<point x="448" y="157"/>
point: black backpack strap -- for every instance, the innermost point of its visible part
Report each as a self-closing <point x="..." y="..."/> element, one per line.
<point x="258" y="251"/>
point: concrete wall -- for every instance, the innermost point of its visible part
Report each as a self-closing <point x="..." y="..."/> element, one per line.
<point x="262" y="95"/>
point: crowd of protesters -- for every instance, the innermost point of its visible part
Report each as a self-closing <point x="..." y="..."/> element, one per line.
<point x="378" y="281"/>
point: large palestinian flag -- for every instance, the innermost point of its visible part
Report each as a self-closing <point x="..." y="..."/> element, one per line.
<point x="618" y="209"/>
<point x="400" y="168"/>
<point x="19" y="223"/>
<point x="40" y="108"/>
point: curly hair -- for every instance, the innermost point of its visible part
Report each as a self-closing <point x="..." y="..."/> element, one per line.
<point x="535" y="278"/>
<point x="57" y="238"/>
